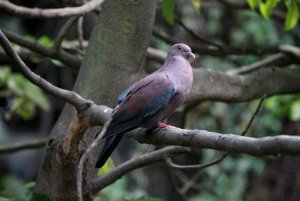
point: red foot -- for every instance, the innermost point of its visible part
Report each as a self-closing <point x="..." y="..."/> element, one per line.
<point x="162" y="125"/>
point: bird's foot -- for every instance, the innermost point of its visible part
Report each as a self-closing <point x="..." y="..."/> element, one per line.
<point x="162" y="125"/>
<point x="156" y="129"/>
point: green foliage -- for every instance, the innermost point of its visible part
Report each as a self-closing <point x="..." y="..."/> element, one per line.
<point x="292" y="16"/>
<point x="253" y="3"/>
<point x="27" y="96"/>
<point x="109" y="164"/>
<point x="167" y="7"/>
<point x="39" y="197"/>
<point x="284" y="106"/>
<point x="12" y="188"/>
<point x="267" y="6"/>
<point x="118" y="192"/>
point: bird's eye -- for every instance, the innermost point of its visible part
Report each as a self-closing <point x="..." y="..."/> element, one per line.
<point x="178" y="48"/>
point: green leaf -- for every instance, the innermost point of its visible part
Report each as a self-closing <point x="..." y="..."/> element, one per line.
<point x="295" y="111"/>
<point x="26" y="110"/>
<point x="253" y="3"/>
<point x="46" y="41"/>
<point x="197" y="5"/>
<point x="167" y="7"/>
<point x="106" y="167"/>
<point x="22" y="87"/>
<point x="14" y="187"/>
<point x="5" y="72"/>
<point x="30" y="185"/>
<point x="16" y="84"/>
<point x="292" y="16"/>
<point x="266" y="8"/>
<point x="36" y="95"/>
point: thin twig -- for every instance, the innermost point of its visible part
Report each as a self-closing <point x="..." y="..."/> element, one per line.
<point x="171" y="164"/>
<point x="69" y="96"/>
<point x="254" y="115"/>
<point x="274" y="60"/>
<point x="62" y="31"/>
<point x="196" y="36"/>
<point x="50" y="13"/>
<point x="31" y="144"/>
<point x="83" y="158"/>
<point x="228" y="50"/>
<point x="133" y="164"/>
<point x="80" y="32"/>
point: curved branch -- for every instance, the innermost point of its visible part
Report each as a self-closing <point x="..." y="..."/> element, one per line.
<point x="68" y="96"/>
<point x="62" y="56"/>
<point x="133" y="164"/>
<point x="216" y="85"/>
<point x="31" y="144"/>
<point x="48" y="13"/>
<point x="281" y="144"/>
<point x="171" y="164"/>
<point x="226" y="50"/>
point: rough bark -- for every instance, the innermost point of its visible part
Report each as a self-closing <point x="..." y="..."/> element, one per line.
<point x="113" y="59"/>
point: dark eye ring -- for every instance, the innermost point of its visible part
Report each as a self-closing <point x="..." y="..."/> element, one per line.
<point x="179" y="48"/>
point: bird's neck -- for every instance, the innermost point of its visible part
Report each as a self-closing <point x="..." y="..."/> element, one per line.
<point x="173" y="60"/>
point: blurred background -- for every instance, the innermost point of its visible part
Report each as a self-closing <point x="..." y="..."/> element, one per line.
<point x="27" y="113"/>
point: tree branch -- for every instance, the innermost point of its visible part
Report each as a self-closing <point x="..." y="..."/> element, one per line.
<point x="141" y="161"/>
<point x="62" y="56"/>
<point x="196" y="36"/>
<point x="83" y="158"/>
<point x="171" y="164"/>
<point x="292" y="50"/>
<point x="216" y="85"/>
<point x="226" y="50"/>
<point x="62" y="31"/>
<point x="278" y="59"/>
<point x="31" y="144"/>
<point x="281" y="144"/>
<point x="49" y="13"/>
<point x="156" y="54"/>
<point x="68" y="96"/>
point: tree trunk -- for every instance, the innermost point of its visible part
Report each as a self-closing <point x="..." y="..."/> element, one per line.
<point x="113" y="60"/>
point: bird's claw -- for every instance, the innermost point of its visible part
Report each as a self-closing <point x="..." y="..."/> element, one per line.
<point x="162" y="125"/>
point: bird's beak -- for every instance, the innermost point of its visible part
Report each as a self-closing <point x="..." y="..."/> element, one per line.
<point x="190" y="56"/>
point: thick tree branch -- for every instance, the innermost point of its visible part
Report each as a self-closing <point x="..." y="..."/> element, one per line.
<point x="30" y="144"/>
<point x="49" y="13"/>
<point x="216" y="85"/>
<point x="62" y="56"/>
<point x="281" y="144"/>
<point x="68" y="96"/>
<point x="133" y="164"/>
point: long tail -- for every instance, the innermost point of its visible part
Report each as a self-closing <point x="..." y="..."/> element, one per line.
<point x="109" y="146"/>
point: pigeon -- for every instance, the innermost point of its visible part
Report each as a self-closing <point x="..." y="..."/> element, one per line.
<point x="151" y="100"/>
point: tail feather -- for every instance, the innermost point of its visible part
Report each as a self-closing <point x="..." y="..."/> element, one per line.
<point x="109" y="146"/>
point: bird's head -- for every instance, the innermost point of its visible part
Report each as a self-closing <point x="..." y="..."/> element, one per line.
<point x="183" y="50"/>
